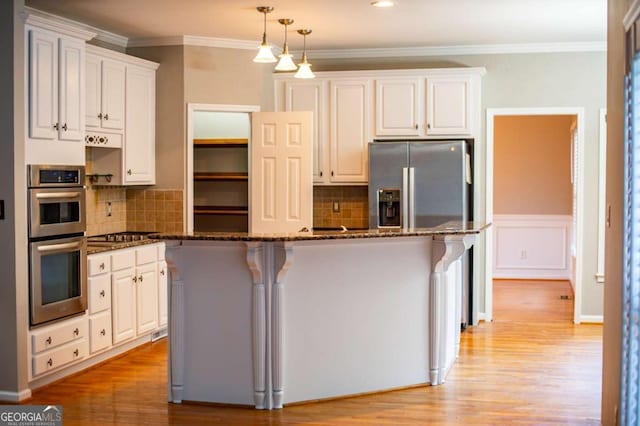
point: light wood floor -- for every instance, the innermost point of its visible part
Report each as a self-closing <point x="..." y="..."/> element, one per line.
<point x="526" y="370"/>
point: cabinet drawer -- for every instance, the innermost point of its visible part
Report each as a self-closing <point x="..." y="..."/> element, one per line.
<point x="58" y="357"/>
<point x="58" y="334"/>
<point x="99" y="293"/>
<point x="100" y="331"/>
<point x="146" y="254"/>
<point x="122" y="259"/>
<point x="98" y="264"/>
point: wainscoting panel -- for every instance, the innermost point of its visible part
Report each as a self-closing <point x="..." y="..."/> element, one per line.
<point x="532" y="246"/>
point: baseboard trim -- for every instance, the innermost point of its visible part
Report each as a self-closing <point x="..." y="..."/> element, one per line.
<point x="15" y="396"/>
<point x="591" y="319"/>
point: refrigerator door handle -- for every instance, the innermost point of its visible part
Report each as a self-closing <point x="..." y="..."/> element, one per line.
<point x="405" y="197"/>
<point x="412" y="196"/>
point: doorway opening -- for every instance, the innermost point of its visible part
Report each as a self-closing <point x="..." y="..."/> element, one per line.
<point x="534" y="200"/>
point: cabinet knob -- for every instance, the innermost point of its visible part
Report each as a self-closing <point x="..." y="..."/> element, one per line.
<point x="140" y="278"/>
<point x="102" y="266"/>
<point x="106" y="116"/>
<point x="161" y="271"/>
<point x="48" y="340"/>
<point x="76" y="353"/>
<point x="102" y="294"/>
<point x="50" y="362"/>
<point x="64" y="127"/>
<point x="103" y="332"/>
<point x="100" y="116"/>
<point x="56" y="126"/>
<point x="331" y="172"/>
<point x="416" y="126"/>
<point x="320" y="174"/>
<point x="428" y="126"/>
<point x="76" y="331"/>
<point x="135" y="279"/>
<point x="129" y="172"/>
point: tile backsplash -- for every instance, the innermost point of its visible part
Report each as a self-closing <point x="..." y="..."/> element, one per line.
<point x="133" y="210"/>
<point x="353" y="204"/>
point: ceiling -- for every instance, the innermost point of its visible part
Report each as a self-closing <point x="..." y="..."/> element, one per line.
<point x="348" y="24"/>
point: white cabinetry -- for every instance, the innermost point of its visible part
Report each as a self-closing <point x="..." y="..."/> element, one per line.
<point x="99" y="297"/>
<point x="55" y="92"/>
<point x="58" y="345"/>
<point x="448" y="108"/>
<point x="311" y="96"/>
<point x="349" y="122"/>
<point x="398" y="107"/>
<point x="163" y="288"/>
<point x="134" y="292"/>
<point x="123" y="115"/>
<point x="105" y="94"/>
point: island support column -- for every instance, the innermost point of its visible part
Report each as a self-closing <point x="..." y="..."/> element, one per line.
<point x="445" y="250"/>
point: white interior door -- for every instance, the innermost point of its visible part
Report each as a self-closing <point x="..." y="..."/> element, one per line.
<point x="281" y="181"/>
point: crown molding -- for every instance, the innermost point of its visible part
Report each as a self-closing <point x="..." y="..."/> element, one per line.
<point x="122" y="57"/>
<point x="459" y="50"/>
<point x="188" y="40"/>
<point x="38" y="17"/>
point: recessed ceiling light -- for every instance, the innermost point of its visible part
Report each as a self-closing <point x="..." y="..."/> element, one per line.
<point x="383" y="3"/>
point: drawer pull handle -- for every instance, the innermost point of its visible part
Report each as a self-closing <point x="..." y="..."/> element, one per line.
<point x="102" y="266"/>
<point x="102" y="293"/>
<point x="416" y="126"/>
<point x="106" y="116"/>
<point x="135" y="279"/>
<point x="103" y="332"/>
<point x="64" y="127"/>
<point x="48" y="340"/>
<point x="56" y="126"/>
<point x="100" y="116"/>
<point x="161" y="271"/>
<point x="76" y="353"/>
<point x="50" y="362"/>
<point x="129" y="172"/>
<point x="140" y="278"/>
<point x="76" y="331"/>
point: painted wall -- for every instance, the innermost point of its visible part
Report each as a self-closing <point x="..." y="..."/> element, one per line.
<point x="532" y="156"/>
<point x="528" y="80"/>
<point x="13" y="252"/>
<point x="612" y="333"/>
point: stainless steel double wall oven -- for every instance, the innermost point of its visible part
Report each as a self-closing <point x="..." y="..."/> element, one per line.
<point x="57" y="246"/>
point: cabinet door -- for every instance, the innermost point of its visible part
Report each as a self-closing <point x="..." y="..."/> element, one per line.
<point x="309" y="96"/>
<point x="140" y="108"/>
<point x="147" y="298"/>
<point x="397" y="107"/>
<point x="123" y="305"/>
<point x="163" y="294"/>
<point x="93" y="87"/>
<point x="448" y="106"/>
<point x="349" y="135"/>
<point x="113" y="87"/>
<point x="43" y="85"/>
<point x="100" y="331"/>
<point x="71" y="90"/>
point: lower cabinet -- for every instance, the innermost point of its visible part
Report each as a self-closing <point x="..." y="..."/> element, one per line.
<point x="127" y="299"/>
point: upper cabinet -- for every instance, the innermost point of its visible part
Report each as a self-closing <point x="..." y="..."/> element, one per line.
<point x="55" y="92"/>
<point x="448" y="105"/>
<point x="398" y="106"/>
<point x="105" y="94"/>
<point x="353" y="108"/>
<point x="120" y="118"/>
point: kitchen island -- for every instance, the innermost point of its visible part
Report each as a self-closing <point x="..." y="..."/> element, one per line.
<point x="272" y="319"/>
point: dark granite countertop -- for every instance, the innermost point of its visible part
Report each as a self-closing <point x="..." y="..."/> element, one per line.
<point x="116" y="245"/>
<point x="448" y="228"/>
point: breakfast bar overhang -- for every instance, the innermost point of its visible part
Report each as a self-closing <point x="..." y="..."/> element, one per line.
<point x="267" y="320"/>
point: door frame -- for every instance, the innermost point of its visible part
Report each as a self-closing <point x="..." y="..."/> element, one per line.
<point x="577" y="278"/>
<point x="191" y="109"/>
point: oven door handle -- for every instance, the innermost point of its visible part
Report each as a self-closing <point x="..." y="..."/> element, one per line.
<point x="63" y="246"/>
<point x="49" y="195"/>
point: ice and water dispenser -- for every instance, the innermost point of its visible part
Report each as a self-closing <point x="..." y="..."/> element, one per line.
<point x="389" y="213"/>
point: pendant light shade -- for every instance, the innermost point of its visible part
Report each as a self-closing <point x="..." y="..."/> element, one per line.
<point x="304" y="67"/>
<point x="286" y="60"/>
<point x="265" y="55"/>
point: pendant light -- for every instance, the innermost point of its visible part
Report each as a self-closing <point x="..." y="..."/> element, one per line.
<point x="304" y="67"/>
<point x="264" y="53"/>
<point x="286" y="60"/>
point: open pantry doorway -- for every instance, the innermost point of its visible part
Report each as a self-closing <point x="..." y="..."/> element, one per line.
<point x="218" y="138"/>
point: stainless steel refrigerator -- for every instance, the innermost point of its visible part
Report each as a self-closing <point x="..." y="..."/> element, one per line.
<point x="417" y="184"/>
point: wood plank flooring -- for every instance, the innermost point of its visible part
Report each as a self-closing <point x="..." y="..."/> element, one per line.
<point x="515" y="370"/>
